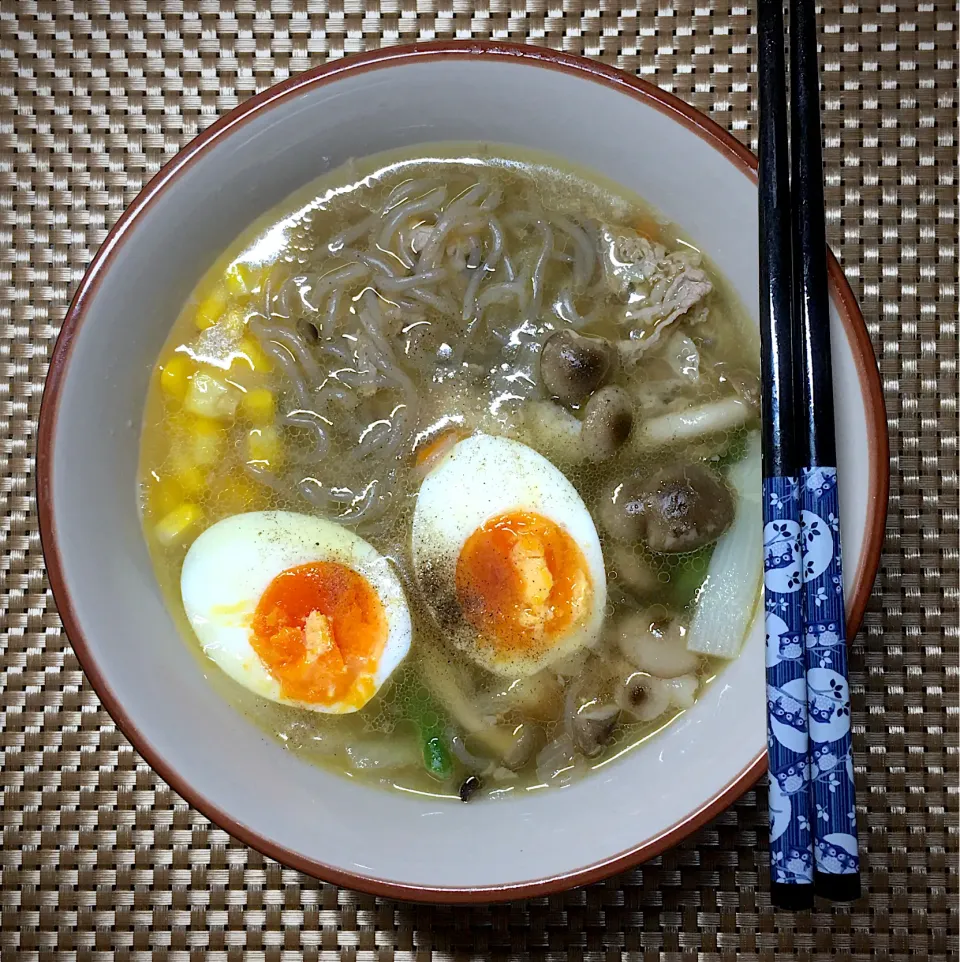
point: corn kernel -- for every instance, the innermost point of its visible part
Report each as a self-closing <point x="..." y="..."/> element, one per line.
<point x="249" y="353"/>
<point x="191" y="478"/>
<point x="175" y="524"/>
<point x="206" y="441"/>
<point x="175" y="376"/>
<point x="259" y="405"/>
<point x="165" y="495"/>
<point x="209" y="397"/>
<point x="263" y="445"/>
<point x="242" y="280"/>
<point x="211" y="309"/>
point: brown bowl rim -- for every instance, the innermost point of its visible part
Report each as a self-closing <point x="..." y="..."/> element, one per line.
<point x="590" y="70"/>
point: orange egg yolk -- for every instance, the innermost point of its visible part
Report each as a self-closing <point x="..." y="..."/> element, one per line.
<point x="522" y="582"/>
<point x="319" y="630"/>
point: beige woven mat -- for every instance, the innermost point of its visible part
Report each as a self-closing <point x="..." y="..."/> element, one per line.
<point x="101" y="859"/>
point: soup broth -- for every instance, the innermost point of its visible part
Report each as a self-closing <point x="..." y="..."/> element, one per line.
<point x="358" y="339"/>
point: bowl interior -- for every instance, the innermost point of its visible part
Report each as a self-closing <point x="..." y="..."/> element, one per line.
<point x="132" y="650"/>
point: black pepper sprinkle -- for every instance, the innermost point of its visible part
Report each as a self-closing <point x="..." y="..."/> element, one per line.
<point x="470" y="785"/>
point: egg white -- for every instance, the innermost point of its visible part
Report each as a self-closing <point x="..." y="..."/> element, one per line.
<point x="230" y="565"/>
<point x="481" y="478"/>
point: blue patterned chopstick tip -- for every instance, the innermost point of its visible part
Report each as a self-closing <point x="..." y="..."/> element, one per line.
<point x="791" y="833"/>
<point x="828" y="691"/>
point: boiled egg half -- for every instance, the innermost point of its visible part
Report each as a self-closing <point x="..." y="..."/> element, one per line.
<point x="296" y="608"/>
<point x="507" y="556"/>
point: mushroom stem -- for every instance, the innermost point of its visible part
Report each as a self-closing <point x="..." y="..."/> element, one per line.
<point x="655" y="645"/>
<point x="693" y="423"/>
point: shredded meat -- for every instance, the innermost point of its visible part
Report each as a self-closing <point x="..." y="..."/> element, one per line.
<point x="658" y="287"/>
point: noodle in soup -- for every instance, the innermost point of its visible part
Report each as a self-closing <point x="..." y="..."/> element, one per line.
<point x="450" y="465"/>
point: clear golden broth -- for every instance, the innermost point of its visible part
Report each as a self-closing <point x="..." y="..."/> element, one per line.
<point x="186" y="461"/>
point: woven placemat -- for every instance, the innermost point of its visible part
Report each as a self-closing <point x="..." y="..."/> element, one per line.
<point x="101" y="860"/>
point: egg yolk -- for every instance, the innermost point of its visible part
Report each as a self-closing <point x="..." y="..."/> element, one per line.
<point x="522" y="582"/>
<point x="320" y="629"/>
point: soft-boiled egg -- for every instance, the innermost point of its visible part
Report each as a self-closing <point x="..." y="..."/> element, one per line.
<point x="296" y="608"/>
<point x="507" y="556"/>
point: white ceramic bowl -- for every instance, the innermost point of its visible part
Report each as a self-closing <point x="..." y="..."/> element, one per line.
<point x="101" y="576"/>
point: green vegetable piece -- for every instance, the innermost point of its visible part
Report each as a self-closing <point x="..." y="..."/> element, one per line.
<point x="437" y="758"/>
<point x="430" y="723"/>
<point x="687" y="576"/>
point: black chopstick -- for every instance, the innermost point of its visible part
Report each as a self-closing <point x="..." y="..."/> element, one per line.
<point x="791" y="846"/>
<point x="836" y="858"/>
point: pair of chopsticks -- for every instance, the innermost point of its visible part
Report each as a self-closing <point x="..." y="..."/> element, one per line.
<point x="813" y="830"/>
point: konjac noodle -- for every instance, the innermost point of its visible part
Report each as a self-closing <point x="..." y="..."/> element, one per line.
<point x="450" y="472"/>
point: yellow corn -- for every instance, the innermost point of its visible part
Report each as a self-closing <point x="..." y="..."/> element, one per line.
<point x="259" y="405"/>
<point x="263" y="445"/>
<point x="191" y="478"/>
<point x="248" y="352"/>
<point x="209" y="397"/>
<point x="175" y="524"/>
<point x="175" y="376"/>
<point x="206" y="441"/>
<point x="211" y="309"/>
<point x="165" y="495"/>
<point x="242" y="280"/>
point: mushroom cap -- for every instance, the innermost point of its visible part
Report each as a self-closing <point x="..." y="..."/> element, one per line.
<point x="573" y="366"/>
<point x="607" y="423"/>
<point x="686" y="507"/>
<point x="592" y="728"/>
<point x="642" y="696"/>
<point x="679" y="508"/>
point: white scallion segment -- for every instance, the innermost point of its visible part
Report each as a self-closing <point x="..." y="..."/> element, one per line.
<point x="727" y="602"/>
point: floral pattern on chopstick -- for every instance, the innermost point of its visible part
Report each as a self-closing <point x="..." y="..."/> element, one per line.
<point x="791" y="837"/>
<point x="828" y="694"/>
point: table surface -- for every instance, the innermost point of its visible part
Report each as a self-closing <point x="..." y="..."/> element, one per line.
<point x="100" y="859"/>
